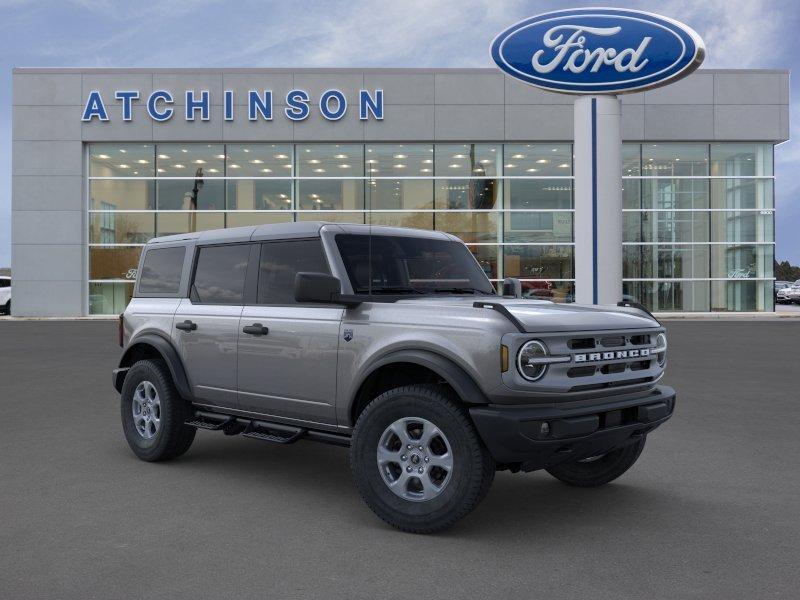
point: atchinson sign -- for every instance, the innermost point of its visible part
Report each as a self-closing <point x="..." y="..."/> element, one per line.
<point x="598" y="50"/>
<point x="160" y="105"/>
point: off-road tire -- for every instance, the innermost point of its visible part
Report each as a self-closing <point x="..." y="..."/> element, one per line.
<point x="601" y="471"/>
<point x="173" y="437"/>
<point x="473" y="466"/>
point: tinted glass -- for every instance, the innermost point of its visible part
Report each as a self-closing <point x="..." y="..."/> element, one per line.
<point x="410" y="265"/>
<point x="280" y="262"/>
<point x="161" y="272"/>
<point x="220" y="273"/>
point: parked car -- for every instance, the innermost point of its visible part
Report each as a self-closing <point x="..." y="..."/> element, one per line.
<point x="790" y="294"/>
<point x="392" y="342"/>
<point x="5" y="294"/>
<point x="780" y="295"/>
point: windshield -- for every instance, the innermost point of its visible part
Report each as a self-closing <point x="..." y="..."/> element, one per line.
<point x="410" y="265"/>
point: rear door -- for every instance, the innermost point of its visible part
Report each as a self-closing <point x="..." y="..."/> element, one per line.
<point x="288" y="351"/>
<point x="207" y="323"/>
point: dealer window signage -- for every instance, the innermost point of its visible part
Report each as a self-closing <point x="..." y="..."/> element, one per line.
<point x="333" y="105"/>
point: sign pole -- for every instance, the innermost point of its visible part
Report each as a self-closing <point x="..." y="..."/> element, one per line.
<point x="598" y="200"/>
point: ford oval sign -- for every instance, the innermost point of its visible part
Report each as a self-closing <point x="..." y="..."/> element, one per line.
<point x="598" y="50"/>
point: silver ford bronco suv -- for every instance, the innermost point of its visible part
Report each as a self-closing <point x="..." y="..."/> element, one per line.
<point x="390" y="341"/>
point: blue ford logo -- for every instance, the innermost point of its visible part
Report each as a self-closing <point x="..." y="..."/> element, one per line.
<point x="598" y="50"/>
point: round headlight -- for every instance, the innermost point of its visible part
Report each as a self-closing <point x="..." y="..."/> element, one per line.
<point x="661" y="348"/>
<point x="526" y="360"/>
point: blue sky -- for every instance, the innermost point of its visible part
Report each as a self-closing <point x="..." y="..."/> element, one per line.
<point x="408" y="33"/>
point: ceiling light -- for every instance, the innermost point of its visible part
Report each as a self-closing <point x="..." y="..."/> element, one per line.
<point x="454" y="166"/>
<point x="163" y="156"/>
<point x="234" y="166"/>
<point x="184" y="150"/>
<point x="266" y="170"/>
<point x="124" y="166"/>
<point x="199" y="161"/>
<point x="563" y="166"/>
<point x="287" y="166"/>
<point x="510" y="166"/>
<point x="400" y="156"/>
<point x="313" y="161"/>
<point x="371" y="161"/>
<point x="245" y="150"/>
<point x="179" y="166"/>
<point x="319" y="170"/>
<point x="281" y="156"/>
<point x="344" y="166"/>
<point x="257" y="161"/>
<point x="340" y="156"/>
<point x="427" y="161"/>
<point x="517" y="156"/>
<point x="532" y="170"/>
<point x="399" y="166"/>
<point x="161" y="170"/>
<point x="123" y="150"/>
<point x="459" y="156"/>
<point x="425" y="170"/>
<point x="217" y="156"/>
<point x="213" y="170"/>
<point x="103" y="156"/>
<point x="542" y="161"/>
<point x="485" y="161"/>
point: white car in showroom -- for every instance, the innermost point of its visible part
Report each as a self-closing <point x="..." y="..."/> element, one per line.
<point x="5" y="294"/>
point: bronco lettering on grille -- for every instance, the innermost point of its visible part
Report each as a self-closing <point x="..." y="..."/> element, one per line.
<point x="618" y="354"/>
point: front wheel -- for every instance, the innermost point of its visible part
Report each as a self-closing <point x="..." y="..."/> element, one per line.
<point x="418" y="461"/>
<point x="598" y="470"/>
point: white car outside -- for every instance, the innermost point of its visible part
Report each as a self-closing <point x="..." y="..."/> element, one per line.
<point x="5" y="295"/>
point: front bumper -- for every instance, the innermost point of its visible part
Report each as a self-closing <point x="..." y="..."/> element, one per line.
<point x="538" y="437"/>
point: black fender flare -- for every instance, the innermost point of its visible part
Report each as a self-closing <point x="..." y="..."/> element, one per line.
<point x="167" y="351"/>
<point x="461" y="382"/>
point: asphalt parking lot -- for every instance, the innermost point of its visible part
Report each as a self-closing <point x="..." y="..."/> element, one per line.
<point x="711" y="510"/>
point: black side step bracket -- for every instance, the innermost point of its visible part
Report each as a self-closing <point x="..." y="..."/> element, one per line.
<point x="274" y="432"/>
<point x="210" y="421"/>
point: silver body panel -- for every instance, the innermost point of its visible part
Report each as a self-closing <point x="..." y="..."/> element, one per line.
<point x="305" y="369"/>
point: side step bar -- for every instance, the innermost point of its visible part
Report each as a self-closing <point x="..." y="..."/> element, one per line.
<point x="277" y="433"/>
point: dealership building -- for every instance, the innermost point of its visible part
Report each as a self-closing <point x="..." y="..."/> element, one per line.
<point x="105" y="159"/>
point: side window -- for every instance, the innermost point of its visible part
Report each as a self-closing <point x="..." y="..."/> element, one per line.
<point x="280" y="262"/>
<point x="161" y="272"/>
<point x="220" y="274"/>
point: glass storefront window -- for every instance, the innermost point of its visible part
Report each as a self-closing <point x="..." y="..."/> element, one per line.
<point x="400" y="194"/>
<point x="197" y="161"/>
<point x="115" y="227"/>
<point x="538" y="194"/>
<point x="114" y="263"/>
<point x="631" y="160"/>
<point x="537" y="160"/>
<point x="631" y="193"/>
<point x="669" y="295"/>
<point x="538" y="262"/>
<point x="170" y="223"/>
<point x="109" y="298"/>
<point x="121" y="160"/>
<point x="743" y="226"/>
<point x="674" y="193"/>
<point x="330" y="194"/>
<point x="673" y="226"/>
<point x="665" y="261"/>
<point x="191" y="194"/>
<point x="742" y="296"/>
<point x="742" y="261"/>
<point x="399" y="160"/>
<point x="741" y="160"/>
<point x="467" y="160"/>
<point x="467" y="193"/>
<point x="675" y="160"/>
<point x="259" y="194"/>
<point x="330" y="160"/>
<point x="471" y="227"/>
<point x="742" y="193"/>
<point x="259" y="160"/>
<point x="537" y="227"/>
<point x="122" y="194"/>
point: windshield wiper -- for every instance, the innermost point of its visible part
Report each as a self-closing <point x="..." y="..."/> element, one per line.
<point x="462" y="290"/>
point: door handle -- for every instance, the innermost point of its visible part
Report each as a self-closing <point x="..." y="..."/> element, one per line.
<point x="187" y="325"/>
<point x="255" y="329"/>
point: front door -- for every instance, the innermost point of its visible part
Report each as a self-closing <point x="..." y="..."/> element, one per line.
<point x="207" y="323"/>
<point x="288" y="351"/>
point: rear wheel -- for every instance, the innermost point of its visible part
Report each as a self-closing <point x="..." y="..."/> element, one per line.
<point x="598" y="470"/>
<point x="153" y="413"/>
<point x="417" y="460"/>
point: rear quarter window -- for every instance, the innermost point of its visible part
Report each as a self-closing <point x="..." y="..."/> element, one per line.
<point x="161" y="271"/>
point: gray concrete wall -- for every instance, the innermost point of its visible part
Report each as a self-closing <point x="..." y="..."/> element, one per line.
<point x="49" y="220"/>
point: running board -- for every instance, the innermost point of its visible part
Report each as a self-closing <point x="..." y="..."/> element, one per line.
<point x="276" y="433"/>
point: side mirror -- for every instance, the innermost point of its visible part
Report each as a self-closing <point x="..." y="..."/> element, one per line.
<point x="316" y="287"/>
<point x="512" y="287"/>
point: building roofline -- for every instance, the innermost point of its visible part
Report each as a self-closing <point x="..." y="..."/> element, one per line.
<point x="309" y="70"/>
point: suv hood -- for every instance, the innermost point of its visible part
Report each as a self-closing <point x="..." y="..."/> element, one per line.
<point x="540" y="315"/>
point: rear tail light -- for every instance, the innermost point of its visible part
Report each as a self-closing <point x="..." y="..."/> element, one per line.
<point x="120" y="330"/>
